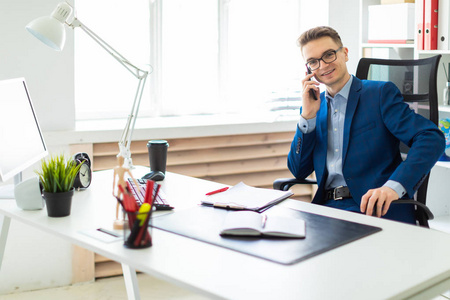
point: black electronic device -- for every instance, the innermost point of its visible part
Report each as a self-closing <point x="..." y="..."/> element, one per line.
<point x="84" y="176"/>
<point x="311" y="92"/>
<point x="154" y="175"/>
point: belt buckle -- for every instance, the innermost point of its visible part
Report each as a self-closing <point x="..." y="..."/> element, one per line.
<point x="334" y="193"/>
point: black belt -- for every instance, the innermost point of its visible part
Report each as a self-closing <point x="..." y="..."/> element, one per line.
<point x="338" y="193"/>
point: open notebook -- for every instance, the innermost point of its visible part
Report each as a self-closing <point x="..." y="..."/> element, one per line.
<point x="249" y="223"/>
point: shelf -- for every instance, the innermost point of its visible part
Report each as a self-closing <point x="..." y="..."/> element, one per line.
<point x="444" y="108"/>
<point x="433" y="52"/>
<point x="382" y="45"/>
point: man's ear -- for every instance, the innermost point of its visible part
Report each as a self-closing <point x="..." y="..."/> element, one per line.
<point x="346" y="53"/>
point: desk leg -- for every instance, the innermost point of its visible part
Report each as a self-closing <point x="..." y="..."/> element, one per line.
<point x="3" y="236"/>
<point x="131" y="282"/>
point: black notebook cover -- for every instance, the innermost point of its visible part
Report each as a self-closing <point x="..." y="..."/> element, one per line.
<point x="322" y="233"/>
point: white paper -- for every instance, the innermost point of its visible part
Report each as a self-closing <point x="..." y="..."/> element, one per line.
<point x="247" y="196"/>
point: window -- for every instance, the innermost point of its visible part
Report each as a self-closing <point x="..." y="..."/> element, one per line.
<point x="207" y="56"/>
<point x="263" y="59"/>
<point x="103" y="87"/>
<point x="189" y="56"/>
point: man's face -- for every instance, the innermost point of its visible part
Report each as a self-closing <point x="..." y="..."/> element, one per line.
<point x="330" y="74"/>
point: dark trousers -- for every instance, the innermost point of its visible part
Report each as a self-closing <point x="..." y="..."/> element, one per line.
<point x="397" y="212"/>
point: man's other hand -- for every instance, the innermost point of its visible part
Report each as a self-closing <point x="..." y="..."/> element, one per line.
<point x="378" y="201"/>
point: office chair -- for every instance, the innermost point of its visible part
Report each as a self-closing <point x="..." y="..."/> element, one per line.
<point x="416" y="79"/>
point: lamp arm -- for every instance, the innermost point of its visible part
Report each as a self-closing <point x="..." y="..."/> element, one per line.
<point x="125" y="140"/>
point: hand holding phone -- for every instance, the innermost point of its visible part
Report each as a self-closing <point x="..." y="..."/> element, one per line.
<point x="311" y="92"/>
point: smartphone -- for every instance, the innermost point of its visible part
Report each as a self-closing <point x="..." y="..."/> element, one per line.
<point x="311" y="92"/>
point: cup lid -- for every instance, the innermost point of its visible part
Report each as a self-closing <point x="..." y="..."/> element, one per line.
<point x="157" y="142"/>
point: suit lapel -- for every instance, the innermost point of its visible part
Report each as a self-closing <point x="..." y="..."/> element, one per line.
<point x="352" y="104"/>
<point x="321" y="147"/>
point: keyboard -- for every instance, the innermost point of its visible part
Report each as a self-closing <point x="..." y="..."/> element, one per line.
<point x="160" y="201"/>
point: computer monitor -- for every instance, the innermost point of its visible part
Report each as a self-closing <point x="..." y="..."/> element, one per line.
<point x="21" y="141"/>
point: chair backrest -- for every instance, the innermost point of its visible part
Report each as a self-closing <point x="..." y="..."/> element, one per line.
<point x="416" y="79"/>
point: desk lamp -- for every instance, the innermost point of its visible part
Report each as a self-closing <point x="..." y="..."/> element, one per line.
<point x="50" y="30"/>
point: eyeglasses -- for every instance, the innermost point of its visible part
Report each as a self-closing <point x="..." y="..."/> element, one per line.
<point x="327" y="57"/>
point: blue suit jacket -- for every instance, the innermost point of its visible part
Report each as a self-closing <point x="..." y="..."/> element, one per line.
<point x="376" y="120"/>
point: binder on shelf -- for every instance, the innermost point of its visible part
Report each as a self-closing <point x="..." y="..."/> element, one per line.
<point x="431" y="24"/>
<point x="443" y="25"/>
<point x="420" y="17"/>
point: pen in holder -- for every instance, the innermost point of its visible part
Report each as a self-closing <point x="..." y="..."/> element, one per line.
<point x="137" y="233"/>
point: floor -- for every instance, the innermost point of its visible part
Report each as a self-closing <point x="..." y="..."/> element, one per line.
<point x="112" y="288"/>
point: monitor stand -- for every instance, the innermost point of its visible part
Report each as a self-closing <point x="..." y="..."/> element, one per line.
<point x="7" y="190"/>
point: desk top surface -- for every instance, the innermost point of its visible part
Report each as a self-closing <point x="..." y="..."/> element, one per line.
<point x="397" y="262"/>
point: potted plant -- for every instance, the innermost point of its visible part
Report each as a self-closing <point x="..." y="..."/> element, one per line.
<point x="57" y="176"/>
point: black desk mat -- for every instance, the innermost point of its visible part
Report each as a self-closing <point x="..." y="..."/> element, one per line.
<point x="322" y="233"/>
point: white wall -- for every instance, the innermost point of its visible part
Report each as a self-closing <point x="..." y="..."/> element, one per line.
<point x="34" y="260"/>
<point x="49" y="74"/>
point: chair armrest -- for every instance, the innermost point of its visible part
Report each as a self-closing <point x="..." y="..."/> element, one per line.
<point x="425" y="208"/>
<point x="283" y="184"/>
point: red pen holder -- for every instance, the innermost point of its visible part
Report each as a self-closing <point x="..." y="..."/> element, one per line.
<point x="138" y="233"/>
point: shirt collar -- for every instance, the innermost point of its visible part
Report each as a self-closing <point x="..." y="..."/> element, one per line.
<point x="344" y="92"/>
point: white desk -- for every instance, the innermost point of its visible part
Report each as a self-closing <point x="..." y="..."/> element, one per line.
<point x="401" y="261"/>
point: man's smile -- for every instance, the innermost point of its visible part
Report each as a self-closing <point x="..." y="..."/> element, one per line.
<point x="327" y="73"/>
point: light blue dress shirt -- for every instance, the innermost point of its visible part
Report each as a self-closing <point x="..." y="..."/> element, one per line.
<point x="337" y="106"/>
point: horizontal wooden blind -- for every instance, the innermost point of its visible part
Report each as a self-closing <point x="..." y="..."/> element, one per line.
<point x="256" y="159"/>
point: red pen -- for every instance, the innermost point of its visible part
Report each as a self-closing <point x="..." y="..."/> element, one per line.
<point x="217" y="191"/>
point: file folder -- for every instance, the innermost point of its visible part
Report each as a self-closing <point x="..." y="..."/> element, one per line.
<point x="431" y="24"/>
<point x="420" y="17"/>
<point x="443" y="25"/>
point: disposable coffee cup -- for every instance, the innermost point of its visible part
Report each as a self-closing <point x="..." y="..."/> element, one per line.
<point x="157" y="154"/>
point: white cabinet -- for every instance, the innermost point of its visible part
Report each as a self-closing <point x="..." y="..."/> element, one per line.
<point x="438" y="196"/>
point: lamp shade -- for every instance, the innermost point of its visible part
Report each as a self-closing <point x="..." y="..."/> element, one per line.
<point x="50" y="29"/>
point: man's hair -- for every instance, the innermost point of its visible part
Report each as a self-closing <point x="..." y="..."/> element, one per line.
<point x="317" y="33"/>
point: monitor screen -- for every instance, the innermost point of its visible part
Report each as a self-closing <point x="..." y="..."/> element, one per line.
<point x="22" y="143"/>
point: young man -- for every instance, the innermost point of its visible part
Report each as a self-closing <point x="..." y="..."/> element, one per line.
<point x="350" y="136"/>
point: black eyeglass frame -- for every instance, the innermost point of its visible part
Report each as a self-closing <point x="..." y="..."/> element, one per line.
<point x="321" y="59"/>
